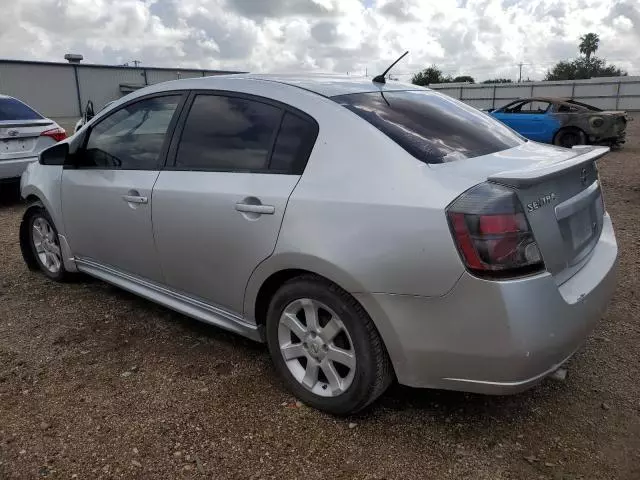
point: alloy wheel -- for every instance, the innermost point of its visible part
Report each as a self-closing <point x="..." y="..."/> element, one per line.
<point x="316" y="347"/>
<point x="46" y="245"/>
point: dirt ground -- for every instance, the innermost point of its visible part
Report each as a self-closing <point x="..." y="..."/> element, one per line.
<point x="97" y="383"/>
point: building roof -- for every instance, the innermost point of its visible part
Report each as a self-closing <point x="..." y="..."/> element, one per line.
<point x="97" y="65"/>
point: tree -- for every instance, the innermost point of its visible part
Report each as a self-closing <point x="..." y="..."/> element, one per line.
<point x="464" y="78"/>
<point x="583" y="68"/>
<point x="499" y="80"/>
<point x="589" y="44"/>
<point x="429" y="75"/>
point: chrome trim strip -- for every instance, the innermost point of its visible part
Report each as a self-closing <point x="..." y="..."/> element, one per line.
<point x="180" y="302"/>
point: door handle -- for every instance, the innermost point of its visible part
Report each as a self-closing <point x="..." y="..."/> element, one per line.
<point x="135" y="199"/>
<point x="260" y="209"/>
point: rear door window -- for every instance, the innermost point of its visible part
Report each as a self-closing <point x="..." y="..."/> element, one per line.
<point x="293" y="146"/>
<point x="12" y="109"/>
<point x="432" y="127"/>
<point x="224" y="133"/>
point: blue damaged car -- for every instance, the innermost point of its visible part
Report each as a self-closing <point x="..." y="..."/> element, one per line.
<point x="563" y="122"/>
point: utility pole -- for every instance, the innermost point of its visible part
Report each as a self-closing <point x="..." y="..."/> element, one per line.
<point x="520" y="75"/>
<point x="135" y="63"/>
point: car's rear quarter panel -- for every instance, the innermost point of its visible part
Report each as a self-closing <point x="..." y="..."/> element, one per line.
<point x="581" y="120"/>
<point x="365" y="213"/>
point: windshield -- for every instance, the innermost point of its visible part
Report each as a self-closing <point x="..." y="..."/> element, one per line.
<point x="431" y="126"/>
<point x="12" y="109"/>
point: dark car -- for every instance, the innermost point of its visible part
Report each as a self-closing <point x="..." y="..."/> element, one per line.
<point x="563" y="121"/>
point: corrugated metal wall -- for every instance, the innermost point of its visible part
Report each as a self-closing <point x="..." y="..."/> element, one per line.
<point x="51" y="88"/>
<point x="103" y="85"/>
<point x="621" y="93"/>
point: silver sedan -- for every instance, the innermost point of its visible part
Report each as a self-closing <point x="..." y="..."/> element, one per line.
<point x="365" y="231"/>
<point x="24" y="133"/>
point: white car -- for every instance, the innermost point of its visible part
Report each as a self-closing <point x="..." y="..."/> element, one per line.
<point x="24" y="133"/>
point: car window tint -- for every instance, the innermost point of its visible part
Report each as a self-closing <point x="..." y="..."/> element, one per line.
<point x="293" y="146"/>
<point x="12" y="109"/>
<point x="563" y="108"/>
<point x="132" y="137"/>
<point x="535" y="106"/>
<point x="431" y="126"/>
<point x="228" y="134"/>
<point x="513" y="108"/>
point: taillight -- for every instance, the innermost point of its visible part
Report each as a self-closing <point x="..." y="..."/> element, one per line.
<point x="56" y="133"/>
<point x="492" y="233"/>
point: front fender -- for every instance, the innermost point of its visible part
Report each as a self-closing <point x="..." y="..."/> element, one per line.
<point x="43" y="182"/>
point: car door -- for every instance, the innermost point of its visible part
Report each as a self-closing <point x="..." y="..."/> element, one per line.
<point x="530" y="118"/>
<point x="107" y="192"/>
<point x="218" y="208"/>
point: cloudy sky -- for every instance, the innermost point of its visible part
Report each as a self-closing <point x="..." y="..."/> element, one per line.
<point x="482" y="38"/>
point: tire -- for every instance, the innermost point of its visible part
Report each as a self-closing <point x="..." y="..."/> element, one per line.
<point x="346" y="387"/>
<point x="568" y="137"/>
<point x="41" y="251"/>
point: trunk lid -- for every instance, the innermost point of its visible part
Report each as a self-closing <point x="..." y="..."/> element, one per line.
<point x="21" y="138"/>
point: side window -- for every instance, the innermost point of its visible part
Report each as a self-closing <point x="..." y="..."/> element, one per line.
<point x="293" y="146"/>
<point x="514" y="107"/>
<point x="535" y="107"/>
<point x="132" y="137"/>
<point x="227" y="134"/>
<point x="564" y="108"/>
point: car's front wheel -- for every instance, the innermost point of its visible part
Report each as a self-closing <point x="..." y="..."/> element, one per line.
<point x="325" y="346"/>
<point x="41" y="245"/>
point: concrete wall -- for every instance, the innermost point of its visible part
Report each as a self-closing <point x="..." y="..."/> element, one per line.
<point x="61" y="90"/>
<point x="616" y="93"/>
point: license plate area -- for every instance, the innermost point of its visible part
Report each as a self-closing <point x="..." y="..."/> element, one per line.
<point x="582" y="227"/>
<point x="16" y="145"/>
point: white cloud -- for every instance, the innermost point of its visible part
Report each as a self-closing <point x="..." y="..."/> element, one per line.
<point x="482" y="38"/>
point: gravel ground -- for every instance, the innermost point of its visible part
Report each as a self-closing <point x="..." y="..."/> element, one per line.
<point x="97" y="383"/>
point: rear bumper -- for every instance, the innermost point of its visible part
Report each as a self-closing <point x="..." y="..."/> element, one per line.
<point x="495" y="337"/>
<point x="14" y="168"/>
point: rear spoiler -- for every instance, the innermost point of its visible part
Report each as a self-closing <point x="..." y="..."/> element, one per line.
<point x="535" y="174"/>
<point x="25" y="123"/>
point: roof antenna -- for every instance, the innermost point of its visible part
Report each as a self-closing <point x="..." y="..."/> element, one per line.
<point x="380" y="78"/>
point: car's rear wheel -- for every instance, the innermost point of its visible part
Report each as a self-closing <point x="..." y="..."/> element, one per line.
<point x="568" y="137"/>
<point x="43" y="243"/>
<point x="326" y="347"/>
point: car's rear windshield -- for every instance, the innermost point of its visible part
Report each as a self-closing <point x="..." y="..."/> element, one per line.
<point x="430" y="126"/>
<point x="12" y="109"/>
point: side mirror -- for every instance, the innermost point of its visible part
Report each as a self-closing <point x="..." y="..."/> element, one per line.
<point x="89" y="112"/>
<point x="55" y="155"/>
